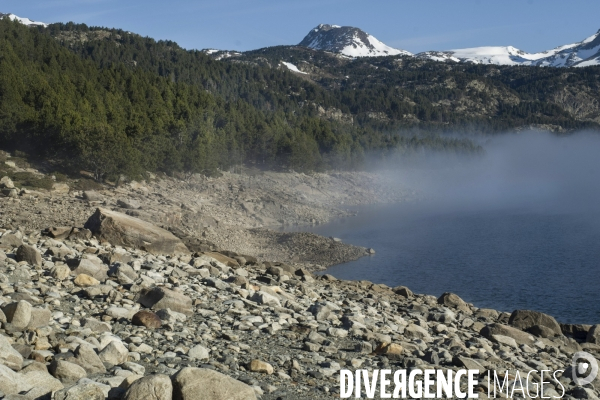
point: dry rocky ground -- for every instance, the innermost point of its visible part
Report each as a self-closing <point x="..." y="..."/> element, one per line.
<point x="98" y="302"/>
<point x="244" y="213"/>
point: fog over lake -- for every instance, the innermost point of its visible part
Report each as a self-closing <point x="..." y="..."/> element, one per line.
<point x="517" y="228"/>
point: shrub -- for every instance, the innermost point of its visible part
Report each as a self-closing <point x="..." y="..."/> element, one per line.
<point x="87" y="184"/>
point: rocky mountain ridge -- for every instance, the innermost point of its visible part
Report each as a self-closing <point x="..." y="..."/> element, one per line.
<point x="24" y="21"/>
<point x="349" y="41"/>
<point x="353" y="42"/>
<point x="581" y="54"/>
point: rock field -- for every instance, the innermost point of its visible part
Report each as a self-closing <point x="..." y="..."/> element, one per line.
<point x="99" y="299"/>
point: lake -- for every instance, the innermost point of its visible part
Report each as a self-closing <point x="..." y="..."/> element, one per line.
<point x="503" y="259"/>
<point x="516" y="228"/>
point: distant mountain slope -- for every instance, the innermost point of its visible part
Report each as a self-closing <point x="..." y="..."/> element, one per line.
<point x="349" y="41"/>
<point x="24" y="21"/>
<point x="581" y="54"/>
<point x="353" y="42"/>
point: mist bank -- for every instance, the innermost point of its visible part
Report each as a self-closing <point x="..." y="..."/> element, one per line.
<point x="535" y="171"/>
<point x="514" y="228"/>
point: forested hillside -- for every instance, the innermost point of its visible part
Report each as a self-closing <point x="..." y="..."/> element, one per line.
<point x="401" y="92"/>
<point x="107" y="114"/>
<point x="113" y="102"/>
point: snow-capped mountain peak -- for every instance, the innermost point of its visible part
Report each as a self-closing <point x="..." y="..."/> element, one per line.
<point x="581" y="54"/>
<point x="349" y="41"/>
<point x="24" y="21"/>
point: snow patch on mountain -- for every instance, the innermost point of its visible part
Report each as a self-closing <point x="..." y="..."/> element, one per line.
<point x="348" y="41"/>
<point x="221" y="54"/>
<point x="292" y="67"/>
<point x="24" y="21"/>
<point x="353" y="42"/>
<point x="581" y="54"/>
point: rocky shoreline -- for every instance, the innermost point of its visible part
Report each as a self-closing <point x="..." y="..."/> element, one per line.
<point x="243" y="213"/>
<point x="87" y="319"/>
<point x="112" y="306"/>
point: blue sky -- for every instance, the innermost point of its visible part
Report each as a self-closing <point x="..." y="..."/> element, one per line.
<point x="416" y="25"/>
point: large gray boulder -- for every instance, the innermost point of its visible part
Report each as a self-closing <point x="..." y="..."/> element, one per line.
<point x="115" y="353"/>
<point x="9" y="356"/>
<point x="66" y="371"/>
<point x="518" y="335"/>
<point x="593" y="335"/>
<point x="527" y="319"/>
<point x="40" y="382"/>
<point x="206" y="384"/>
<point x="85" y="391"/>
<point x="18" y="314"/>
<point x="29" y="254"/>
<point x="86" y="357"/>
<point x="123" y="230"/>
<point x="158" y="298"/>
<point x="10" y="241"/>
<point x="92" y="266"/>
<point x="454" y="301"/>
<point x="8" y="380"/>
<point x="152" y="387"/>
<point x="40" y="317"/>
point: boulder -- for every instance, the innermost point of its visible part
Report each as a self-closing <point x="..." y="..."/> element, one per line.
<point x="60" y="188"/>
<point x="414" y="331"/>
<point x="147" y="319"/>
<point x="593" y="335"/>
<point x="115" y="353"/>
<point x="84" y="391"/>
<point x="6" y="183"/>
<point x="60" y="232"/>
<point x="8" y="380"/>
<point x="66" y="371"/>
<point x="80" y="234"/>
<point x="320" y="311"/>
<point x="40" y="317"/>
<point x="265" y="298"/>
<point x="9" y="356"/>
<point x="123" y="230"/>
<point x="20" y="274"/>
<point x="158" y="298"/>
<point x="389" y="349"/>
<point x="41" y="382"/>
<point x="10" y="241"/>
<point x="86" y="357"/>
<point x="91" y="195"/>
<point x="453" y="301"/>
<point x="92" y="266"/>
<point x="206" y="384"/>
<point x="129" y="204"/>
<point x="504" y="330"/>
<point x="403" y="291"/>
<point x="60" y="272"/>
<point x="95" y="325"/>
<point x="198" y="352"/>
<point x="10" y="192"/>
<point x="576" y="331"/>
<point x="30" y="255"/>
<point x="468" y="363"/>
<point x="542" y="331"/>
<point x="526" y="319"/>
<point x="152" y="387"/>
<point x="260" y="366"/>
<point x="18" y="314"/>
<point x="84" y="280"/>
<point x="230" y="262"/>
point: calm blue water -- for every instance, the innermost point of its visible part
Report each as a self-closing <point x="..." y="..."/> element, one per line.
<point x="503" y="259"/>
